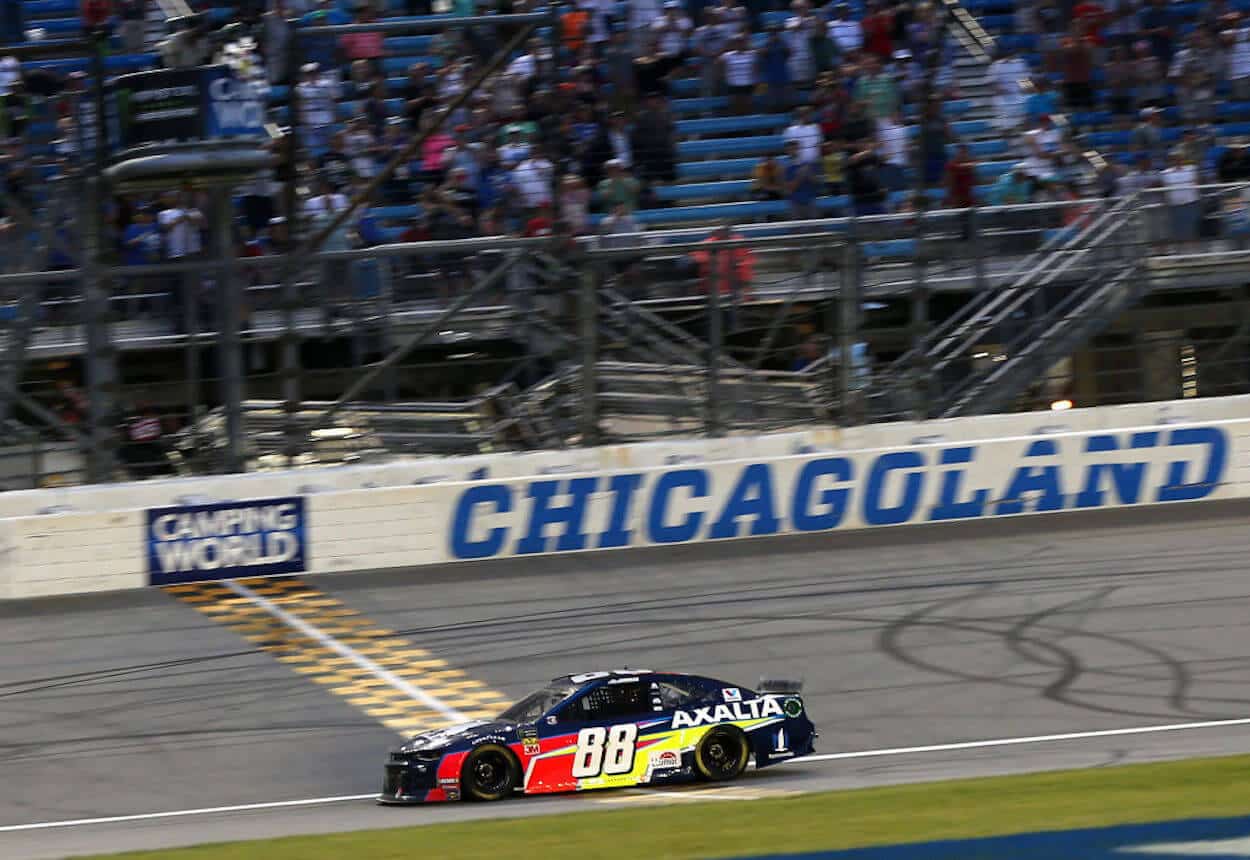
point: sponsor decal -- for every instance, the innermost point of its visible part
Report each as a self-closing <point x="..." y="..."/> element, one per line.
<point x="227" y="539"/>
<point x="752" y="709"/>
<point x="529" y="740"/>
<point x="792" y="707"/>
<point x="665" y="760"/>
<point x="731" y="694"/>
<point x="923" y="484"/>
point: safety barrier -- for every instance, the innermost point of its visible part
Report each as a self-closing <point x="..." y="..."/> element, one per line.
<point x="637" y="496"/>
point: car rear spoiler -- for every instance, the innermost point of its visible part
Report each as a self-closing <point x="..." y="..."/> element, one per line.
<point x="780" y="685"/>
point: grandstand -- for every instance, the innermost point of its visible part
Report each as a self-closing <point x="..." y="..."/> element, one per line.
<point x="957" y="311"/>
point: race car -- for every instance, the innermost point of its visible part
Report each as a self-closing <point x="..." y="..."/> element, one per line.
<point x="605" y="730"/>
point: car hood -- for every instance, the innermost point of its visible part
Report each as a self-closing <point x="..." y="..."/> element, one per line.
<point x="500" y="731"/>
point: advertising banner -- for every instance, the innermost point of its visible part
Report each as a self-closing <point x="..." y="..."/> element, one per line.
<point x="183" y="106"/>
<point x="225" y="540"/>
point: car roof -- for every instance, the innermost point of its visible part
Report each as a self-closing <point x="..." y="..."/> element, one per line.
<point x="582" y="678"/>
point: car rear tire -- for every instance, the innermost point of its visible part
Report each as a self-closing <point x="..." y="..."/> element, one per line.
<point x="489" y="773"/>
<point x="722" y="754"/>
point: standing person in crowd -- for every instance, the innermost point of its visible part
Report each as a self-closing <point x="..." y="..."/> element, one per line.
<point x="1008" y="74"/>
<point x="1184" y="201"/>
<point x="318" y="96"/>
<point x="1077" y="50"/>
<point x="133" y="15"/>
<point x="672" y="31"/>
<point x="806" y="134"/>
<point x="846" y="31"/>
<point x="708" y="42"/>
<point x="740" y="64"/>
<point x="655" y="142"/>
<point x="893" y="146"/>
<point x="878" y="90"/>
<point x="774" y="64"/>
<point x="618" y="189"/>
<point x="1239" y="61"/>
<point x="801" y="184"/>
<point x="800" y="30"/>
<point x="863" y="180"/>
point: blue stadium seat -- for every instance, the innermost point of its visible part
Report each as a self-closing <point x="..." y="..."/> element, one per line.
<point x="733" y="124"/>
<point x="731" y="146"/>
<point x="703" y="190"/>
<point x="716" y="168"/>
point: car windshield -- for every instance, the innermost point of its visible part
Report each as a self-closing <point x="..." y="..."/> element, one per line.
<point x="538" y="703"/>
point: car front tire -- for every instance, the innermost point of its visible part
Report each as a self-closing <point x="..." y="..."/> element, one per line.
<point x="722" y="754"/>
<point x="490" y="773"/>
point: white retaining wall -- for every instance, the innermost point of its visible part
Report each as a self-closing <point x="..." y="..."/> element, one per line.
<point x="627" y="496"/>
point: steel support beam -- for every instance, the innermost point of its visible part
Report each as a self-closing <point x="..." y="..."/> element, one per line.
<point x="433" y="327"/>
<point x="229" y="316"/>
<point x="589" y="312"/>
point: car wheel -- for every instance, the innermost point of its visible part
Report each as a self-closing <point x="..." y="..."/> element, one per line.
<point x="722" y="754"/>
<point x="489" y="773"/>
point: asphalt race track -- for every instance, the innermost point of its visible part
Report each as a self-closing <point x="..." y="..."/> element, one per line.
<point x="135" y="703"/>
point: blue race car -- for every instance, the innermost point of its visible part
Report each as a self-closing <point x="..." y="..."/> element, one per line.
<point x="605" y="730"/>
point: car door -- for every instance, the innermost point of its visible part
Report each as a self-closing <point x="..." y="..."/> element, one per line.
<point x="599" y="732"/>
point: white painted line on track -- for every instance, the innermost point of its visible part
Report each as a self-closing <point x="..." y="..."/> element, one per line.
<point x="963" y="745"/>
<point x="1035" y="739"/>
<point x="380" y="672"/>
<point x="181" y="813"/>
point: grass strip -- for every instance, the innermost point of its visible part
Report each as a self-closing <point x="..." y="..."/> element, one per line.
<point x="958" y="809"/>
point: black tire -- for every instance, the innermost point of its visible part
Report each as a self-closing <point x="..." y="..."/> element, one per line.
<point x="489" y="773"/>
<point x="722" y="754"/>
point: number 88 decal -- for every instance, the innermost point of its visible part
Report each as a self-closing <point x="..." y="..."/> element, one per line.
<point x="605" y="751"/>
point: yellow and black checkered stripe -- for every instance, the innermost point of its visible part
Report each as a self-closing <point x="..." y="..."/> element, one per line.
<point x="343" y="677"/>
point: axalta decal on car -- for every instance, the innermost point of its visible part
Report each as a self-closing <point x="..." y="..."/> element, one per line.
<point x="752" y="709"/>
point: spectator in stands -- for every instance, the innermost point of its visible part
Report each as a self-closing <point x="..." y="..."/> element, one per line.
<point x="893" y="147"/>
<point x="801" y="29"/>
<point x="740" y="64"/>
<point x="144" y="453"/>
<point x="672" y="31"/>
<point x="832" y="162"/>
<point x="1077" y="50"/>
<point x="132" y="14"/>
<point x="707" y="42"/>
<point x="863" y="180"/>
<point x="1007" y="75"/>
<point x="961" y="183"/>
<point x="141" y="246"/>
<point x="1148" y="135"/>
<point x="1183" y="199"/>
<point x="846" y="32"/>
<point x="317" y="92"/>
<point x="1149" y="75"/>
<point x="774" y="70"/>
<point x="1012" y="188"/>
<point x="575" y="203"/>
<point x="878" y="90"/>
<point x="1120" y="82"/>
<point x="655" y="142"/>
<point x="181" y="223"/>
<point x="768" y="180"/>
<point x="532" y="179"/>
<point x="1238" y="44"/>
<point x="652" y="70"/>
<point x="934" y="139"/>
<point x="1196" y="70"/>
<point x="801" y="183"/>
<point x="1157" y="26"/>
<point x="275" y="42"/>
<point x="807" y="134"/>
<point x="729" y="271"/>
<point x="878" y="30"/>
<point x="618" y="188"/>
